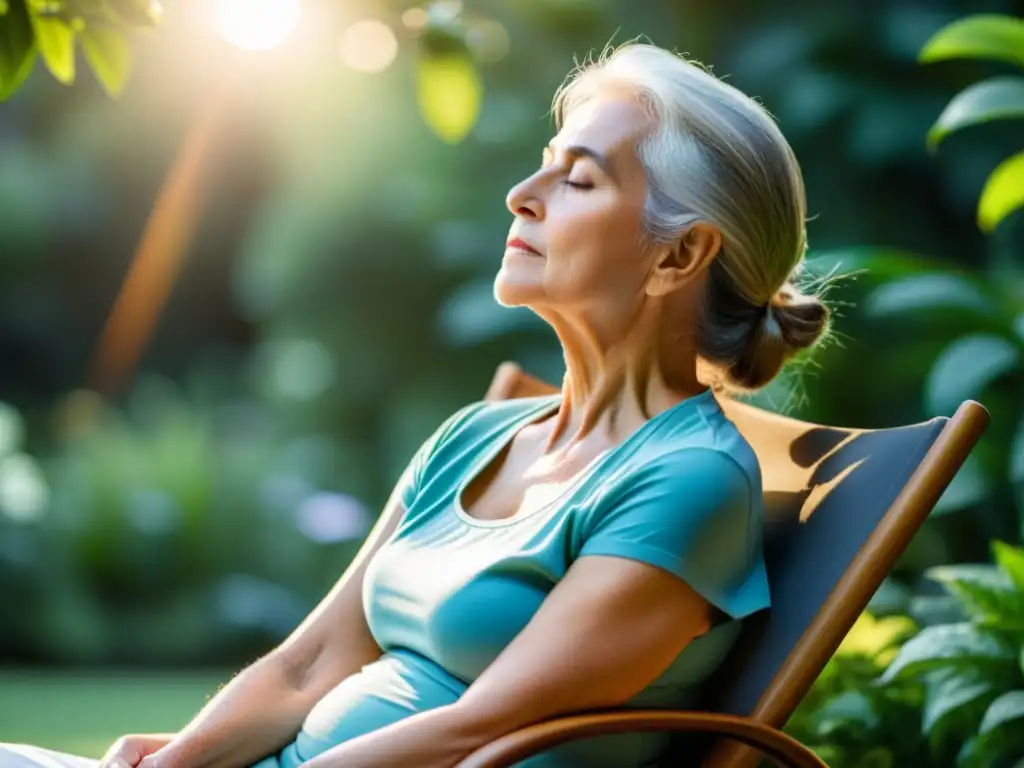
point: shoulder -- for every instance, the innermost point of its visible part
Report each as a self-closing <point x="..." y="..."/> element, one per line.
<point x="693" y="454"/>
<point x="690" y="512"/>
<point x="695" y="480"/>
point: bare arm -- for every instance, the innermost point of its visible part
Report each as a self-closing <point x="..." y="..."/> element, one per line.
<point x="606" y="631"/>
<point x="262" y="708"/>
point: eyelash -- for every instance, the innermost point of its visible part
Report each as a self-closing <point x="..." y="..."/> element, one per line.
<point x="573" y="184"/>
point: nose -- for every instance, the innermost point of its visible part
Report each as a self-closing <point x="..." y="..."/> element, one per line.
<point x="523" y="199"/>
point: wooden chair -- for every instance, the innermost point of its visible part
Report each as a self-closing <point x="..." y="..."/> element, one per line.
<point x="841" y="505"/>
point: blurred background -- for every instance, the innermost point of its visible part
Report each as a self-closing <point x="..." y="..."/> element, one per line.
<point x="238" y="287"/>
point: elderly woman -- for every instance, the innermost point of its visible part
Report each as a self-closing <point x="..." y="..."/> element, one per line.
<point x="596" y="548"/>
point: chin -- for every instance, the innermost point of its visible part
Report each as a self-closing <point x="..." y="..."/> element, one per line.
<point x="514" y="288"/>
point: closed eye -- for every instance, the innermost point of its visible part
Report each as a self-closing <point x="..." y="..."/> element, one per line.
<point x="547" y="159"/>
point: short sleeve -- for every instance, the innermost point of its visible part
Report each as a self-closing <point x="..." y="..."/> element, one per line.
<point x="411" y="481"/>
<point x="692" y="513"/>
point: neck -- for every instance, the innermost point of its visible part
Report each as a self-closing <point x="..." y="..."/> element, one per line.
<point x="613" y="386"/>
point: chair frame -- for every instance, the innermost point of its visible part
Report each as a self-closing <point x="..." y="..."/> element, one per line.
<point x="760" y="732"/>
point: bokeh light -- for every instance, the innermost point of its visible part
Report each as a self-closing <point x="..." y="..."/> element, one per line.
<point x="368" y="46"/>
<point x="415" y="18"/>
<point x="12" y="429"/>
<point x="24" y="492"/>
<point x="256" y="25"/>
<point x="329" y="518"/>
<point x="489" y="40"/>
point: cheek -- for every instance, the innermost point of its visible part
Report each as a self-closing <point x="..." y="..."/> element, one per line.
<point x="599" y="252"/>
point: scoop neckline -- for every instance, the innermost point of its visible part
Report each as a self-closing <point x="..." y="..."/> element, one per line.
<point x="544" y="409"/>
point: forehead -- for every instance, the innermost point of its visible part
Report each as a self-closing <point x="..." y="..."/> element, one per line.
<point x="610" y="123"/>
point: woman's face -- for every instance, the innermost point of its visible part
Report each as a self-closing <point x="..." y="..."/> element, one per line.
<point x="581" y="214"/>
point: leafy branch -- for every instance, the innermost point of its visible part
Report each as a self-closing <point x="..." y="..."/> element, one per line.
<point x="998" y="38"/>
<point x="52" y="30"/>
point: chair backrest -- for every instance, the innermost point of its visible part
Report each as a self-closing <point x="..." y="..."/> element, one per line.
<point x="840" y="506"/>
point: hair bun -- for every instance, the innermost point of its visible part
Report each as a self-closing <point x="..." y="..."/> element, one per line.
<point x="799" y="319"/>
<point x="789" y="323"/>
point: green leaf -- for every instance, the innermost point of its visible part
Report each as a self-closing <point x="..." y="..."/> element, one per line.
<point x="986" y="593"/>
<point x="56" y="40"/>
<point x="925" y="291"/>
<point x="932" y="610"/>
<point x="948" y="645"/>
<point x="967" y="755"/>
<point x="137" y="13"/>
<point x="109" y="57"/>
<point x="1003" y="192"/>
<point x="946" y="693"/>
<point x="1007" y="708"/>
<point x="449" y="93"/>
<point x="982" y="36"/>
<point x="17" y="49"/>
<point x="965" y="367"/>
<point x="1011" y="561"/>
<point x="993" y="99"/>
<point x="976" y="573"/>
<point x="848" y="707"/>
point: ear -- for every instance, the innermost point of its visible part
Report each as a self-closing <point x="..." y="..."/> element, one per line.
<point x="683" y="261"/>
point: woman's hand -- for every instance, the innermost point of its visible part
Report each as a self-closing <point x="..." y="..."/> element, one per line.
<point x="130" y="751"/>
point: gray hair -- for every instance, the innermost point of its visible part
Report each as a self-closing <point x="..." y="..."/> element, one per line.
<point x="716" y="155"/>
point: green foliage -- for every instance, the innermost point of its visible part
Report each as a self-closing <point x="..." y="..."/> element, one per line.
<point x="967" y="367"/>
<point x="951" y="696"/>
<point x="1003" y="192"/>
<point x="177" y="532"/>
<point x="450" y="48"/>
<point x="853" y="723"/>
<point x="52" y="29"/>
<point x="972" y="670"/>
<point x="108" y="55"/>
<point x="449" y="92"/>
<point x="985" y="36"/>
<point x="982" y="36"/>
<point x="996" y="99"/>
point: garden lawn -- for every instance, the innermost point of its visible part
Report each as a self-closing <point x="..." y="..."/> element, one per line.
<point x="84" y="712"/>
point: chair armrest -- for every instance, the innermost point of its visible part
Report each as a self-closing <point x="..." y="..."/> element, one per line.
<point x="782" y="748"/>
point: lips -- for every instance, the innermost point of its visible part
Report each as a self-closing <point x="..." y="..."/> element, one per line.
<point x="521" y="245"/>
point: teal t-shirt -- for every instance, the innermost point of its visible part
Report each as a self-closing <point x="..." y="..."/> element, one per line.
<point x="447" y="592"/>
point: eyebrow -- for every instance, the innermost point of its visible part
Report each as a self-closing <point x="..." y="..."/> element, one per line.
<point x="579" y="150"/>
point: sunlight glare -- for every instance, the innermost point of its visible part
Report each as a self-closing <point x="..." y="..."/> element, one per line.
<point x="256" y="25"/>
